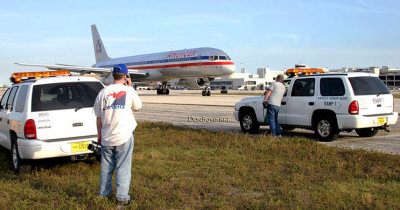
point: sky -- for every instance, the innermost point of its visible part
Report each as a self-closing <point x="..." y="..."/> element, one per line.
<point x="256" y="33"/>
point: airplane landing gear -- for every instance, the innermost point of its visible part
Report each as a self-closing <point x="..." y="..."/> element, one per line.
<point x="162" y="89"/>
<point x="206" y="91"/>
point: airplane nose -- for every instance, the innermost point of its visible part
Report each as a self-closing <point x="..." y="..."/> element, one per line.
<point x="230" y="69"/>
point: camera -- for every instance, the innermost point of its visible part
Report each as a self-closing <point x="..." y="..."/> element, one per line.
<point x="96" y="148"/>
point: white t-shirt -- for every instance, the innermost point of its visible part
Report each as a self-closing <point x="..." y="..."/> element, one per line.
<point x="115" y="105"/>
<point x="277" y="92"/>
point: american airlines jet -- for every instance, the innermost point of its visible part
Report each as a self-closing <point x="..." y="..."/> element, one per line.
<point x="194" y="68"/>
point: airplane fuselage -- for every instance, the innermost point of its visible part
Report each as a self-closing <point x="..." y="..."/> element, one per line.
<point x="187" y="63"/>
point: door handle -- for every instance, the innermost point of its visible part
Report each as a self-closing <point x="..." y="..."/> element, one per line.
<point x="283" y="103"/>
<point x="311" y="103"/>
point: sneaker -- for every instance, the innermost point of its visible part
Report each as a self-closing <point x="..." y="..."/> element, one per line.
<point x="123" y="204"/>
<point x="280" y="136"/>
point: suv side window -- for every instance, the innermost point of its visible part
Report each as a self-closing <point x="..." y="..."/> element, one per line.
<point x="10" y="100"/>
<point x="286" y="83"/>
<point x="21" y="98"/>
<point x="4" y="99"/>
<point x="304" y="87"/>
<point x="332" y="87"/>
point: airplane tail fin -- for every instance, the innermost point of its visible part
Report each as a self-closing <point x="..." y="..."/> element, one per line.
<point x="99" y="49"/>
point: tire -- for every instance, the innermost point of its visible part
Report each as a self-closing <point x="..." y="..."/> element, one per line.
<point x="203" y="93"/>
<point x="367" y="132"/>
<point x="248" y="122"/>
<point x="326" y="129"/>
<point x="18" y="165"/>
<point x="208" y="93"/>
<point x="167" y="92"/>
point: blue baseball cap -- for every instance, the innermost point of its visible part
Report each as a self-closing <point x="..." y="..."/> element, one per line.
<point x="121" y="68"/>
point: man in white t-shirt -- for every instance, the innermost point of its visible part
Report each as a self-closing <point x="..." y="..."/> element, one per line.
<point x="274" y="97"/>
<point x="114" y="107"/>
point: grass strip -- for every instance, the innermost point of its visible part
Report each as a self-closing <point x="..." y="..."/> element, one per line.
<point x="176" y="167"/>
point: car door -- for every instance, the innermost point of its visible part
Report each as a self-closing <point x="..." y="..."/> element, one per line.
<point x="6" y="108"/>
<point x="283" y="108"/>
<point x="301" y="102"/>
<point x="3" y="117"/>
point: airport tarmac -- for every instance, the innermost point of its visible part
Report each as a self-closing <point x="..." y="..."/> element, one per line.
<point x="189" y="108"/>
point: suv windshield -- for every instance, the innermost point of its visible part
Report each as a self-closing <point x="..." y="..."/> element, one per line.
<point x="64" y="95"/>
<point x="368" y="86"/>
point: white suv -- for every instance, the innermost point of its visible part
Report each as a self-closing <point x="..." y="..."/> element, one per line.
<point x="327" y="104"/>
<point x="48" y="117"/>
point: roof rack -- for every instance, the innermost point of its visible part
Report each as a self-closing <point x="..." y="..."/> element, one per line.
<point x="22" y="76"/>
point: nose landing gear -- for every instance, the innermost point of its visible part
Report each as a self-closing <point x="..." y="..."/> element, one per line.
<point x="162" y="89"/>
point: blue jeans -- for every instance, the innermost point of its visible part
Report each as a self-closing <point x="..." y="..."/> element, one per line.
<point x="272" y="112"/>
<point x="118" y="159"/>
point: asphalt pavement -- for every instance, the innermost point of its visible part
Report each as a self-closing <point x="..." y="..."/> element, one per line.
<point x="215" y="112"/>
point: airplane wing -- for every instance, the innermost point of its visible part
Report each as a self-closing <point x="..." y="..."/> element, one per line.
<point x="83" y="69"/>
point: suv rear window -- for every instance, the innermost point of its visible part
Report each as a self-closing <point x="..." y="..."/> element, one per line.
<point x="64" y="95"/>
<point x="368" y="86"/>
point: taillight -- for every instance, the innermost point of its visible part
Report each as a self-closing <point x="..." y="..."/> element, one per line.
<point x="30" y="129"/>
<point x="354" y="107"/>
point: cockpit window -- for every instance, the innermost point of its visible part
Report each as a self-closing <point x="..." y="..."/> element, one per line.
<point x="222" y="57"/>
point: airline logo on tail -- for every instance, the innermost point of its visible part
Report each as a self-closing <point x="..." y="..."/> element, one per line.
<point x="98" y="47"/>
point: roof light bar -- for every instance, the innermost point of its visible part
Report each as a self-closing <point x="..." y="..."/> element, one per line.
<point x="21" y="76"/>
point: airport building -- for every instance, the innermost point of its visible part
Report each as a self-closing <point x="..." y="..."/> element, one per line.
<point x="389" y="76"/>
<point x="241" y="81"/>
<point x="246" y="81"/>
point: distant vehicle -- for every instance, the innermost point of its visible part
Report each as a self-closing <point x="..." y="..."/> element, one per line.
<point x="48" y="117"/>
<point x="243" y="87"/>
<point x="327" y="104"/>
<point x="194" y="67"/>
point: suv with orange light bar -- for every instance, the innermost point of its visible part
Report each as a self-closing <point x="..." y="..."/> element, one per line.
<point x="48" y="117"/>
<point x="326" y="103"/>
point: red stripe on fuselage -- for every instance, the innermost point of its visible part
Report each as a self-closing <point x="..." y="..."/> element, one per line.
<point x="184" y="65"/>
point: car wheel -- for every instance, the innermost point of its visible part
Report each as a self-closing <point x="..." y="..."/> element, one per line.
<point x="18" y="165"/>
<point x="248" y="122"/>
<point x="367" y="132"/>
<point x="326" y="129"/>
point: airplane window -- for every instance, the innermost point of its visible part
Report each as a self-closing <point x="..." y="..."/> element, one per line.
<point x="222" y="57"/>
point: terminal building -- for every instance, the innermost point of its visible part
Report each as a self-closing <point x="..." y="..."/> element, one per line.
<point x="389" y="76"/>
<point x="246" y="81"/>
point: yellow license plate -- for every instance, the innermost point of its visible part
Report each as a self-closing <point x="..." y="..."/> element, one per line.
<point x="381" y="120"/>
<point x="79" y="146"/>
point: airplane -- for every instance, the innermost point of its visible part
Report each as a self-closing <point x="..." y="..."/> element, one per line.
<point x="194" y="68"/>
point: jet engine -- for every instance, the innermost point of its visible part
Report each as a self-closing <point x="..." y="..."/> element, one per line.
<point x="108" y="80"/>
<point x="195" y="83"/>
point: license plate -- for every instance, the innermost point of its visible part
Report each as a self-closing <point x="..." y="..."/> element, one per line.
<point x="79" y="146"/>
<point x="381" y="120"/>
